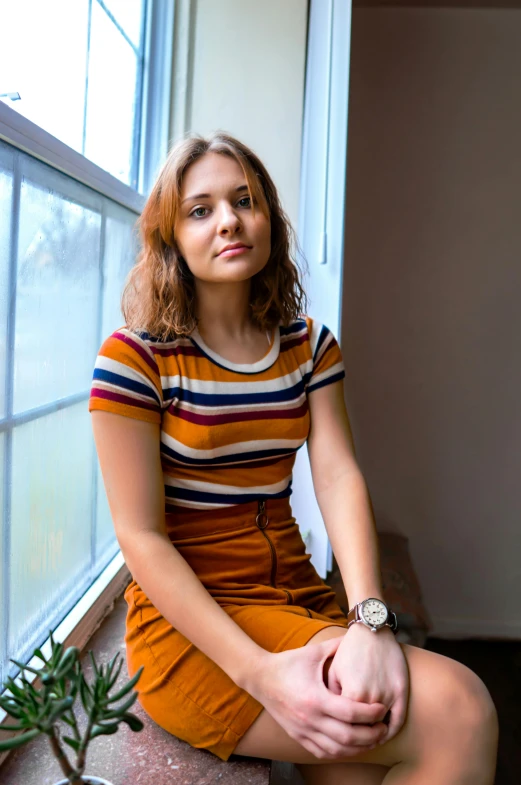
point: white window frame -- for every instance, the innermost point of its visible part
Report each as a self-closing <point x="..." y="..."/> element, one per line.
<point x="23" y="134"/>
<point x="321" y="218"/>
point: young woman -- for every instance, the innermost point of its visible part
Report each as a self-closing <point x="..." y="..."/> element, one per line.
<point x="199" y="404"/>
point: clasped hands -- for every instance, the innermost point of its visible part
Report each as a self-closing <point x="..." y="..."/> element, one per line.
<point x="367" y="680"/>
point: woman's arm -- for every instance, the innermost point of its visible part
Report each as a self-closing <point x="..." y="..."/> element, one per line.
<point x="367" y="667"/>
<point x="128" y="452"/>
<point x="342" y="494"/>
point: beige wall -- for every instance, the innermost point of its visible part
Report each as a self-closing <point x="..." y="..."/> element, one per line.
<point x="246" y="77"/>
<point x="432" y="299"/>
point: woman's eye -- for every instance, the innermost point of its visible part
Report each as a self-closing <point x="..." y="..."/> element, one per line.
<point x="197" y="214"/>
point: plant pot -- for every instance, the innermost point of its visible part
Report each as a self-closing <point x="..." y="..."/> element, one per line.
<point x="88" y="780"/>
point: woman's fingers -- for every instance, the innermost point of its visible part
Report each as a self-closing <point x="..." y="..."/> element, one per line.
<point x="347" y="735"/>
<point x="343" y="708"/>
<point x="397" y="717"/>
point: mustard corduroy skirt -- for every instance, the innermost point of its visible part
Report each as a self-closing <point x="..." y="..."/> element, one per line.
<point x="252" y="560"/>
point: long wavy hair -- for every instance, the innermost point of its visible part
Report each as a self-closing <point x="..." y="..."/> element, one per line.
<point x="159" y="295"/>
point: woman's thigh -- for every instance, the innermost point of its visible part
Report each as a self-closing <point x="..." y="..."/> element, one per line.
<point x="448" y="705"/>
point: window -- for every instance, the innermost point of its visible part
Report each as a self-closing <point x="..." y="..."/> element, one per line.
<point x="80" y="70"/>
<point x="67" y="242"/>
<point x="65" y="253"/>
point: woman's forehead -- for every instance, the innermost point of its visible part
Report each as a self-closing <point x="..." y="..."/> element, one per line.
<point x="212" y="171"/>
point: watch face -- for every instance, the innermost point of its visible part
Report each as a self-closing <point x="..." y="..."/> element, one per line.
<point x="374" y="612"/>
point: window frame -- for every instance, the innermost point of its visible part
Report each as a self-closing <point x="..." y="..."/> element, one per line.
<point x="153" y="132"/>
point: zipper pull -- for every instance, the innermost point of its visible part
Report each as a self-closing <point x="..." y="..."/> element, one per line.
<point x="261" y="519"/>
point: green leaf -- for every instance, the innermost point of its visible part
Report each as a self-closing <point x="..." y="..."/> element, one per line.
<point x="67" y="662"/>
<point x="26" y="667"/>
<point x="11" y="708"/>
<point x="133" y="722"/>
<point x="15" y="689"/>
<point x="74" y="743"/>
<point x="56" y="654"/>
<point x="12" y="727"/>
<point x="18" y="741"/>
<point x="59" y="708"/>
<point x="104" y="730"/>
<point x="126" y="689"/>
<point x="85" y="694"/>
<point x="119" y="710"/>
<point x="114" y="677"/>
<point x="94" y="664"/>
<point x="38" y="653"/>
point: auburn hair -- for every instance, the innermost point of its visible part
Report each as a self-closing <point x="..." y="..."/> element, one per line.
<point x="159" y="295"/>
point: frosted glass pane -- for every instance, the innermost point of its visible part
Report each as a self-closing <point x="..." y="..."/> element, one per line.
<point x="56" y="298"/>
<point x="51" y="521"/>
<point x="6" y="193"/>
<point x="43" y="56"/>
<point x="119" y="257"/>
<point x="128" y="14"/>
<point x="111" y="98"/>
<point x="3" y="524"/>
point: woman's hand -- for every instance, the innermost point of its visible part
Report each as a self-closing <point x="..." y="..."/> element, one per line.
<point x="371" y="667"/>
<point x="290" y="685"/>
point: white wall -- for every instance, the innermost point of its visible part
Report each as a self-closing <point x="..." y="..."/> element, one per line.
<point x="246" y="77"/>
<point x="432" y="299"/>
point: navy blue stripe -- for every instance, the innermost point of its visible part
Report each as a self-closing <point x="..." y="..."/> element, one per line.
<point x="324" y="332"/>
<point x="296" y="327"/>
<point x="223" y="498"/>
<point x="329" y="380"/>
<point x="129" y="384"/>
<point x="237" y="458"/>
<point x="233" y="399"/>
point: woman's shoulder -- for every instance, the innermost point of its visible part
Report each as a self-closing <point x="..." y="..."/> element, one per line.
<point x="308" y="328"/>
<point x="125" y="343"/>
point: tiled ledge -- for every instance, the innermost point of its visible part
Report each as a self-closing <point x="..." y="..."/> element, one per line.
<point x="150" y="757"/>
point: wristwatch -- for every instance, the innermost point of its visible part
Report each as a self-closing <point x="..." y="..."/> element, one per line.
<point x="374" y="614"/>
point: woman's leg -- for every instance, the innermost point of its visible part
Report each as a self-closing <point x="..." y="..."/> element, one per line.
<point x="449" y="736"/>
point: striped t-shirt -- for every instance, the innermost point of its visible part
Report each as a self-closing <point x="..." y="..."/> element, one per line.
<point x="229" y="432"/>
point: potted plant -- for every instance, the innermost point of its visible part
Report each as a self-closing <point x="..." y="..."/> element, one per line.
<point x="49" y="706"/>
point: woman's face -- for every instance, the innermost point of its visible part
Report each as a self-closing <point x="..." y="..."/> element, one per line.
<point x="215" y="211"/>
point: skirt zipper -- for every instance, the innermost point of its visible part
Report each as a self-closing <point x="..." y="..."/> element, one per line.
<point x="262" y="521"/>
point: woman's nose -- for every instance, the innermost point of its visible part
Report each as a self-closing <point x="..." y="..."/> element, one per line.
<point x="228" y="220"/>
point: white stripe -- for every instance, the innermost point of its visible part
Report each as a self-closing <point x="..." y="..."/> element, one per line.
<point x="196" y="505"/>
<point x="112" y="388"/>
<point x="252" y="407"/>
<point x="113" y="366"/>
<point x="231" y="490"/>
<point x="326" y="344"/>
<point x="214" y="387"/>
<point x="319" y="377"/>
<point x="231" y="449"/>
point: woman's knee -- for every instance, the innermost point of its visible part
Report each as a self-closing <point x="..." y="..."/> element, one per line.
<point x="457" y="709"/>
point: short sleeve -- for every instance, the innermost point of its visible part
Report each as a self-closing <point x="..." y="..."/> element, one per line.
<point x="126" y="378"/>
<point x="328" y="364"/>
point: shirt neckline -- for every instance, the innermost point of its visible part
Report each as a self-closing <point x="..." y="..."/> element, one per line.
<point x="261" y="365"/>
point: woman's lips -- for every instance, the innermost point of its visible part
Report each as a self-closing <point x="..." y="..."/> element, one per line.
<point x="235" y="251"/>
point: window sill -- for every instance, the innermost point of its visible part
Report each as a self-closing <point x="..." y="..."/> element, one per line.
<point x="151" y="757"/>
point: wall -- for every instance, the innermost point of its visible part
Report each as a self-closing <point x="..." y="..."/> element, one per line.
<point x="431" y="313"/>
<point x="245" y="75"/>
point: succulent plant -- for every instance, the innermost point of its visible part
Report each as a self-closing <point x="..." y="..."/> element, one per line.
<point x="48" y="705"/>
